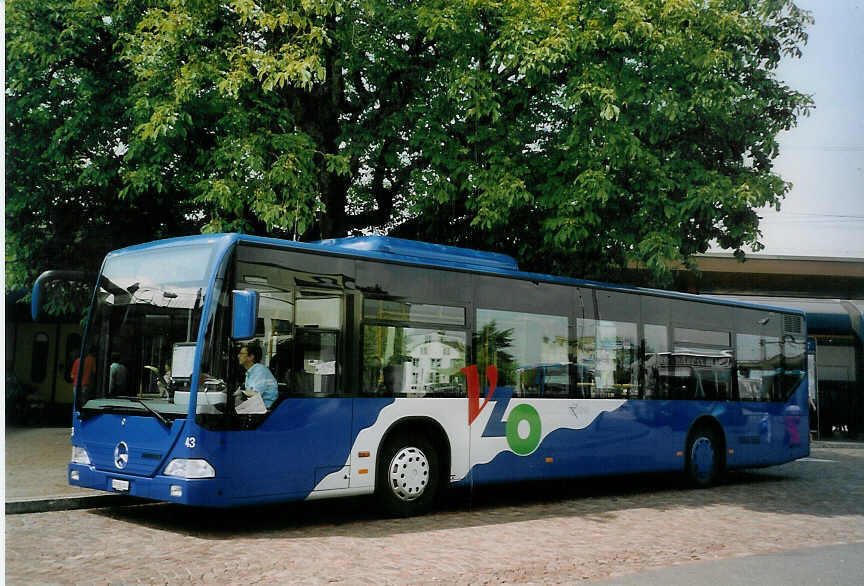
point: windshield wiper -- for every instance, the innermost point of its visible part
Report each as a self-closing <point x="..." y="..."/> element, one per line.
<point x="140" y="401"/>
<point x="158" y="415"/>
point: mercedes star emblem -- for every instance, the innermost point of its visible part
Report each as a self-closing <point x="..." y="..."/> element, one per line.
<point x="121" y="455"/>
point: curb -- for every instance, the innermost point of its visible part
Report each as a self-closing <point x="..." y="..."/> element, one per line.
<point x="835" y="444"/>
<point x="65" y="503"/>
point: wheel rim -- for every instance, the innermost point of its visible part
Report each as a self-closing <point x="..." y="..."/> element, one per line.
<point x="702" y="458"/>
<point x="409" y="473"/>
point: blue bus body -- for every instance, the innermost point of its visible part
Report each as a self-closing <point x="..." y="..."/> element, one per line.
<point x="671" y="382"/>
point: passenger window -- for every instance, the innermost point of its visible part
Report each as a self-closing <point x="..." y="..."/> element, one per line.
<point x="607" y="350"/>
<point x="313" y="355"/>
<point x="583" y="351"/>
<point x="413" y="362"/>
<point x="405" y="354"/>
<point x="529" y="350"/>
<point x="657" y="362"/>
<point x="276" y="334"/>
<point x="759" y="368"/>
<point x="794" y="349"/>
<point x="322" y="310"/>
<point x="771" y="356"/>
<point x="700" y="365"/>
<point x="701" y="338"/>
<point x="794" y="354"/>
<point x="317" y="359"/>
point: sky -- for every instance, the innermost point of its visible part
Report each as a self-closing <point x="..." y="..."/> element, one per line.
<point x="823" y="157"/>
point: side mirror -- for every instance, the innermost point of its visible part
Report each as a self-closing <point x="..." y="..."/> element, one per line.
<point x="245" y="314"/>
<point x="38" y="297"/>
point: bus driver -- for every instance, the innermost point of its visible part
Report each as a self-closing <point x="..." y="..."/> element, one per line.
<point x="258" y="377"/>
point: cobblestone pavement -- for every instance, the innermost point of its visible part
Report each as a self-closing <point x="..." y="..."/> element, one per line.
<point x="536" y="533"/>
<point x="36" y="460"/>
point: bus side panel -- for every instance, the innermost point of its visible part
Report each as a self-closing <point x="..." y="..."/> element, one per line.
<point x="374" y="418"/>
<point x="762" y="434"/>
<point x="368" y="420"/>
<point x="302" y="441"/>
<point x="750" y="433"/>
<point x="642" y="436"/>
<point x="591" y="438"/>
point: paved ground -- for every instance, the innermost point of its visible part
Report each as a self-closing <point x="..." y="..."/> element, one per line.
<point x="539" y="533"/>
<point x="36" y="460"/>
<point x="834" y="564"/>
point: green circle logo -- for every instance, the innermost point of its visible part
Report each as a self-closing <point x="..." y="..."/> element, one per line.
<point x="520" y="413"/>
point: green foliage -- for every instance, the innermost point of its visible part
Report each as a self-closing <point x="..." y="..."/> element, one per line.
<point x="491" y="347"/>
<point x="577" y="135"/>
<point x="67" y="128"/>
<point x="599" y="133"/>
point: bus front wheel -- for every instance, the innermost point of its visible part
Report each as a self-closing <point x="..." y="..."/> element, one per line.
<point x="407" y="479"/>
<point x="704" y="459"/>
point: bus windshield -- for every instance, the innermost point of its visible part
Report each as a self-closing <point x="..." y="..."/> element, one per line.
<point x="141" y="340"/>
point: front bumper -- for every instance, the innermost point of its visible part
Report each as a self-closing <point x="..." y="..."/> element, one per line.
<point x="204" y="492"/>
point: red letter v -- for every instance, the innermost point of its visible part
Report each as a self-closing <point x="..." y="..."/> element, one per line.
<point x="474" y="406"/>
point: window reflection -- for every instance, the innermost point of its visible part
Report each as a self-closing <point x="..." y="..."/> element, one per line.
<point x="412" y="361"/>
<point x="700" y="367"/>
<point x="764" y="371"/>
<point x="393" y="310"/>
<point x="401" y="358"/>
<point x="607" y="359"/>
<point x="656" y="347"/>
<point x="299" y="328"/>
<point x="529" y="350"/>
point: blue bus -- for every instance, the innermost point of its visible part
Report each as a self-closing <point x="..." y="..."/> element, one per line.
<point x="400" y="368"/>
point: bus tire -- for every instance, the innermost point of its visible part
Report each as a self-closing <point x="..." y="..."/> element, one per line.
<point x="408" y="475"/>
<point x="704" y="463"/>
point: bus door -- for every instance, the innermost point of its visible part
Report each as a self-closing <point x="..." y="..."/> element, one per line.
<point x="303" y="444"/>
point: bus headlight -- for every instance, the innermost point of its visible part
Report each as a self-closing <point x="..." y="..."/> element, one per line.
<point x="79" y="456"/>
<point x="189" y="468"/>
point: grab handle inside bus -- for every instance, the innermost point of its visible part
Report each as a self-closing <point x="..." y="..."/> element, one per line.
<point x="245" y="314"/>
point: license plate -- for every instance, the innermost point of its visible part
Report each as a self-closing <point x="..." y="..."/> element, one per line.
<point x="120" y="485"/>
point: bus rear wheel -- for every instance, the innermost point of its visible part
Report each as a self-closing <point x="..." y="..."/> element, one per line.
<point x="704" y="459"/>
<point x="407" y="478"/>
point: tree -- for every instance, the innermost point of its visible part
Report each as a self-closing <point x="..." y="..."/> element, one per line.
<point x="608" y="132"/>
<point x="67" y="127"/>
<point x="576" y="135"/>
<point x="493" y="346"/>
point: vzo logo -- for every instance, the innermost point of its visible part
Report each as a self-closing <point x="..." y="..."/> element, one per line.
<point x="522" y="428"/>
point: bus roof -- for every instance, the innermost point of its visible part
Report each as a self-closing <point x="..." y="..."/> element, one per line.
<point x="412" y="252"/>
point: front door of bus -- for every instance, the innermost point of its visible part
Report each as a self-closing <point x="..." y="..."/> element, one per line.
<point x="304" y="443"/>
